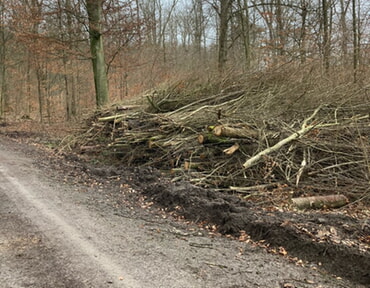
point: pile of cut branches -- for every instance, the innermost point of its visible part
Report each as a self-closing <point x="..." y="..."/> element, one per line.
<point x="260" y="134"/>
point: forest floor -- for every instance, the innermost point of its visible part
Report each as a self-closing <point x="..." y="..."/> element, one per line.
<point x="333" y="240"/>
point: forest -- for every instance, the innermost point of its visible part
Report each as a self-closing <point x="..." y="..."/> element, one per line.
<point x="46" y="52"/>
<point x="249" y="117"/>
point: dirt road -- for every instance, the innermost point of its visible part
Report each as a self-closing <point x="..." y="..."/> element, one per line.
<point x="54" y="234"/>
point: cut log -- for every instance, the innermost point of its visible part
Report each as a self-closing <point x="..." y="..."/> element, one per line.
<point x="319" y="202"/>
<point x="235" y="132"/>
<point x="210" y="138"/>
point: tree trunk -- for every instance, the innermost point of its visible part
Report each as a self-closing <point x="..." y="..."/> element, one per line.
<point x="281" y="33"/>
<point x="356" y="47"/>
<point x="326" y="38"/>
<point x="95" y="11"/>
<point x="302" y="40"/>
<point x="2" y="61"/>
<point x="343" y="25"/>
<point x="40" y="82"/>
<point x="222" y="38"/>
<point x="198" y="26"/>
<point x="244" y="22"/>
<point x="71" y="105"/>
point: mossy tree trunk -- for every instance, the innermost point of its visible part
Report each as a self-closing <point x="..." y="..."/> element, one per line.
<point x="95" y="11"/>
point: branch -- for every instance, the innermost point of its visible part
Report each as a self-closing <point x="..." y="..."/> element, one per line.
<point x="254" y="160"/>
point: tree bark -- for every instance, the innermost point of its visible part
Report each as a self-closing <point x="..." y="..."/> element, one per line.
<point x="356" y="47"/>
<point x="198" y="26"/>
<point x="326" y="35"/>
<point x="343" y="25"/>
<point x="95" y="11"/>
<point x="222" y="37"/>
<point x="302" y="40"/>
<point x="244" y="21"/>
<point x="281" y="32"/>
<point x="2" y="61"/>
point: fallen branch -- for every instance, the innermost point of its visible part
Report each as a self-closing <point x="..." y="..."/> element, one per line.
<point x="319" y="202"/>
<point x="305" y="129"/>
<point x="111" y="118"/>
<point x="127" y="107"/>
<point x="248" y="189"/>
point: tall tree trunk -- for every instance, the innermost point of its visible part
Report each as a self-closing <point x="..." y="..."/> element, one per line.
<point x="40" y="82"/>
<point x="343" y="25"/>
<point x="281" y="33"/>
<point x="70" y="103"/>
<point x="222" y="37"/>
<point x="245" y="24"/>
<point x="302" y="40"/>
<point x="326" y="36"/>
<point x="28" y="84"/>
<point x="266" y="11"/>
<point x="2" y="61"/>
<point x="95" y="11"/>
<point x="38" y="61"/>
<point x="356" y="42"/>
<point x="198" y="27"/>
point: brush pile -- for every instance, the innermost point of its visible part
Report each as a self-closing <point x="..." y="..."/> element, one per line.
<point x="265" y="131"/>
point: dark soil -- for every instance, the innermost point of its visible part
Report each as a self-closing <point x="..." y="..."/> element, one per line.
<point x="333" y="240"/>
<point x="295" y="232"/>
